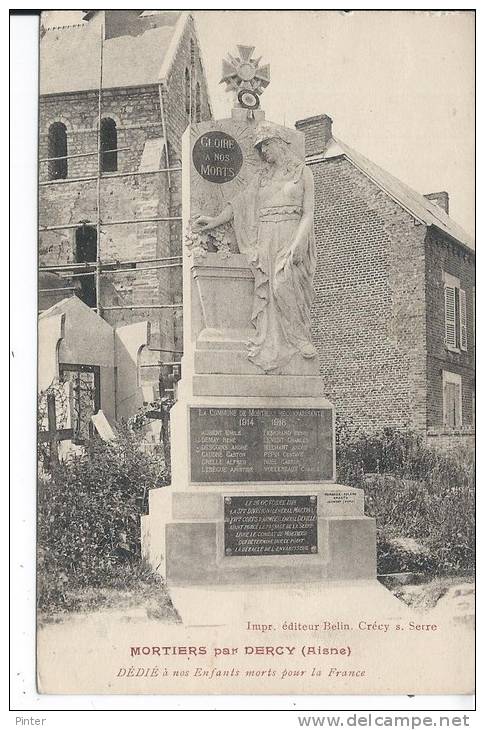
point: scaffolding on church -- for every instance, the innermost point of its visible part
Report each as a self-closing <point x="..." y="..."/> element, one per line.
<point x="98" y="268"/>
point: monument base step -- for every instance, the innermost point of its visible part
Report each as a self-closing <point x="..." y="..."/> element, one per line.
<point x="235" y="362"/>
<point x="258" y="386"/>
<point x="271" y="605"/>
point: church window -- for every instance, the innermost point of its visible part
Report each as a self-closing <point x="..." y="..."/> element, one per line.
<point x="109" y="144"/>
<point x="187" y="92"/>
<point x="197" y="103"/>
<point x="86" y="252"/>
<point x="57" y="151"/>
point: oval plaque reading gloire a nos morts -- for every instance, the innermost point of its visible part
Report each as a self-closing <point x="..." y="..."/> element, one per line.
<point x="217" y="157"/>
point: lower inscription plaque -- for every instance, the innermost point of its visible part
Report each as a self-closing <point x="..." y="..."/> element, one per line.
<point x="261" y="444"/>
<point x="282" y="525"/>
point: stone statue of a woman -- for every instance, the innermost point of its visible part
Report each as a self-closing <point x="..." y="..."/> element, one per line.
<point x="273" y="222"/>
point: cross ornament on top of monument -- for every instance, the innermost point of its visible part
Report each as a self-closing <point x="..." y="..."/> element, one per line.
<point x="253" y="496"/>
<point x="245" y="77"/>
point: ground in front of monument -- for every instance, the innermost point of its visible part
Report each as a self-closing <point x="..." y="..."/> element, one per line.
<point x="334" y="639"/>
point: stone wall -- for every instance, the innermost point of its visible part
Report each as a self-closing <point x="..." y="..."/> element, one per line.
<point x="177" y="119"/>
<point x="137" y="116"/>
<point x="369" y="311"/>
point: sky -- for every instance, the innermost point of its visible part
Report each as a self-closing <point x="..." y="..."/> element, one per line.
<point x="399" y="85"/>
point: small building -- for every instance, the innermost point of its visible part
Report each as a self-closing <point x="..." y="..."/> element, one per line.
<point x="90" y="367"/>
<point x="394" y="319"/>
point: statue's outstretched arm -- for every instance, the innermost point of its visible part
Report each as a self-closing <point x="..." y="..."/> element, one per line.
<point x="207" y="222"/>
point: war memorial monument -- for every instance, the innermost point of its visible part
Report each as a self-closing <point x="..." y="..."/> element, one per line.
<point x="253" y="499"/>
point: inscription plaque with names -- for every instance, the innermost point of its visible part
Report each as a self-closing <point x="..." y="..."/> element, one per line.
<point x="275" y="525"/>
<point x="261" y="444"/>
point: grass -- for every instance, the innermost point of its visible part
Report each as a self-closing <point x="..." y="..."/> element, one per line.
<point x="137" y="588"/>
<point x="89" y="551"/>
<point x="415" y="493"/>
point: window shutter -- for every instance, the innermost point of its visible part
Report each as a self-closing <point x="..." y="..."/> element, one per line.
<point x="450" y="316"/>
<point x="452" y="400"/>
<point x="463" y="330"/>
<point x="449" y="392"/>
<point x="458" y="406"/>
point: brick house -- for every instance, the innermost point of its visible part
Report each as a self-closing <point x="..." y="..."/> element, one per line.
<point x="394" y="309"/>
<point x="153" y="85"/>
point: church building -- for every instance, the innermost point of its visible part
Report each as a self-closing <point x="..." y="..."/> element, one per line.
<point x="110" y="218"/>
<point x="117" y="91"/>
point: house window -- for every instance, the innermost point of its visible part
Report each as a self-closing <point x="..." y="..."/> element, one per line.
<point x="83" y="383"/>
<point x="452" y="396"/>
<point x="187" y="92"/>
<point x="456" y="335"/>
<point x="57" y="148"/>
<point x="197" y="103"/>
<point x="109" y="145"/>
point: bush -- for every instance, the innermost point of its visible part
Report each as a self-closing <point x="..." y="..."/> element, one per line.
<point x="413" y="491"/>
<point x="89" y="511"/>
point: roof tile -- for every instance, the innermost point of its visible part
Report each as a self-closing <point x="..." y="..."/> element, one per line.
<point x="69" y="58"/>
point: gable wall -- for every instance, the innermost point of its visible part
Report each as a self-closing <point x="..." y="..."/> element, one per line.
<point x="369" y="310"/>
<point x="177" y="121"/>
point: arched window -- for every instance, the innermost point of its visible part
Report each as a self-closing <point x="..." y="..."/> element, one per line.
<point x="57" y="148"/>
<point x="187" y="92"/>
<point x="192" y="53"/>
<point x="109" y="145"/>
<point x="86" y="252"/>
<point x="197" y="103"/>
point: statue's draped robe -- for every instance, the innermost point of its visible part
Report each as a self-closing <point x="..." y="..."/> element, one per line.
<point x="266" y="217"/>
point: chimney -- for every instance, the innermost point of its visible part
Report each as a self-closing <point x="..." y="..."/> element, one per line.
<point x="317" y="131"/>
<point x="441" y="199"/>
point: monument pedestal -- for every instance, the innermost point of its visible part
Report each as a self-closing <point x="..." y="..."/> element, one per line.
<point x="186" y="536"/>
<point x="253" y="497"/>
